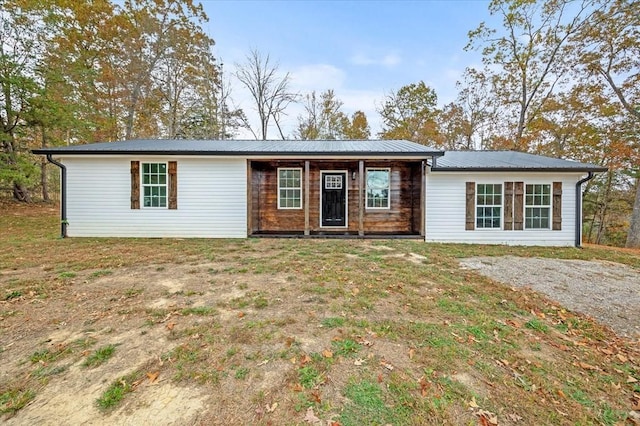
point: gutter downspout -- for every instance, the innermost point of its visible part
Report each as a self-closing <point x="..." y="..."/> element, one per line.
<point x="579" y="208"/>
<point x="63" y="196"/>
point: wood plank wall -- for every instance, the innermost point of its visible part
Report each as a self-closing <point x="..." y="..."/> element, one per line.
<point x="403" y="217"/>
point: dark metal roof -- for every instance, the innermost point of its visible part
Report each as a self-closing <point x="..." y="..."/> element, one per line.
<point x="273" y="148"/>
<point x="457" y="161"/>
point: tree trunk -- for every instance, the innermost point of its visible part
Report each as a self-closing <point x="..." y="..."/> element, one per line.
<point x="604" y="209"/>
<point x="43" y="171"/>
<point x="44" y="180"/>
<point x="633" y="237"/>
<point x="21" y="193"/>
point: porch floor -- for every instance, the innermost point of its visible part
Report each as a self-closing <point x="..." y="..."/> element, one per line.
<point x="335" y="235"/>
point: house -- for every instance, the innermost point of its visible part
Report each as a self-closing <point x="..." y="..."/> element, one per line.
<point x="373" y="188"/>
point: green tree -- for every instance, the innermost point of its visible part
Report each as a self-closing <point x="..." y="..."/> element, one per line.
<point x="358" y="128"/>
<point x="607" y="50"/>
<point x="324" y="119"/>
<point x="527" y="56"/>
<point x="20" y="26"/>
<point x="410" y="113"/>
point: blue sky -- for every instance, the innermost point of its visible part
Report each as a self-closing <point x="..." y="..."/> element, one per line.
<point x="360" y="49"/>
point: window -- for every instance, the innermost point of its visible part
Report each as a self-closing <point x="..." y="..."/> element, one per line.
<point x="154" y="184"/>
<point x="289" y="188"/>
<point x="537" y="206"/>
<point x="488" y="205"/>
<point x="333" y="182"/>
<point x="378" y="188"/>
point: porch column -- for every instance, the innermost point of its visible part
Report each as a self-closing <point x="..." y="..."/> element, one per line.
<point x="361" y="198"/>
<point x="307" y="186"/>
<point x="249" y="199"/>
<point x="423" y="197"/>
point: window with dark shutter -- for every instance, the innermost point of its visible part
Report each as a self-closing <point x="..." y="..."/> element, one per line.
<point x="135" y="184"/>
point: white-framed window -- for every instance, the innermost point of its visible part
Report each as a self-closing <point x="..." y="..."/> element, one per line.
<point x="378" y="185"/>
<point x="154" y="184"/>
<point x="290" y="188"/>
<point x="537" y="206"/>
<point x="333" y="181"/>
<point x="488" y="205"/>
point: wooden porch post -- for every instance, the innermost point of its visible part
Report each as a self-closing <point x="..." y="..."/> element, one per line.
<point x="361" y="198"/>
<point x="249" y="200"/>
<point x="423" y="198"/>
<point x="307" y="186"/>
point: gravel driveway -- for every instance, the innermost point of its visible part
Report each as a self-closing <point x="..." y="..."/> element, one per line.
<point x="606" y="291"/>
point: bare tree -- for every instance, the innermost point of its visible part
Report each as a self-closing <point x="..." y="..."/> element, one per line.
<point x="269" y="91"/>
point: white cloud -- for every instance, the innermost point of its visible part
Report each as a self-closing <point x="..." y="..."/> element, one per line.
<point x="317" y="77"/>
<point x="389" y="60"/>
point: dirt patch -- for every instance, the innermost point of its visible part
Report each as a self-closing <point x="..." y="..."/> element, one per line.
<point x="606" y="291"/>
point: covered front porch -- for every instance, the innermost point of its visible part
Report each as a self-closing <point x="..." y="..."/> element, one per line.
<point x="345" y="198"/>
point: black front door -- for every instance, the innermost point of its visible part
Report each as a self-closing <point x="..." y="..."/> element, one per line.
<point x="334" y="199"/>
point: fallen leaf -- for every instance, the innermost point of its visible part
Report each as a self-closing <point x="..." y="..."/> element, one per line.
<point x="327" y="353"/>
<point x="153" y="376"/>
<point x="240" y="314"/>
<point x="473" y="403"/>
<point x="622" y="358"/>
<point x="271" y="408"/>
<point x="305" y="359"/>
<point x="606" y="351"/>
<point x="586" y="366"/>
<point x="514" y="417"/>
<point x="412" y="352"/>
<point x="297" y="387"/>
<point x="561" y="394"/>
<point x="355" y="291"/>
<point x="316" y="396"/>
<point x="293" y="360"/>
<point x="423" y="386"/>
<point x="631" y="379"/>
<point x="311" y="417"/>
<point x="387" y="365"/>
<point x="264" y="362"/>
<point x="358" y="362"/>
<point x="171" y="325"/>
<point x="487" y="418"/>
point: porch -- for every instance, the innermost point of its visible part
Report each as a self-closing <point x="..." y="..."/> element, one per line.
<point x="351" y="198"/>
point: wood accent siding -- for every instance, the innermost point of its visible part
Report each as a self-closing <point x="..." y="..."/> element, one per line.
<point x="135" y="185"/>
<point x="508" y="206"/>
<point x="403" y="216"/>
<point x="470" y="206"/>
<point x="518" y="206"/>
<point x="557" y="206"/>
<point x="173" y="185"/>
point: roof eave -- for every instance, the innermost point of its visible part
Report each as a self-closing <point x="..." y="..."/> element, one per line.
<point x="520" y="169"/>
<point x="287" y="154"/>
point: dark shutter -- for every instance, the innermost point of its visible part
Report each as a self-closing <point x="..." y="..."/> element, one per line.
<point x="173" y="185"/>
<point x="557" y="206"/>
<point x="471" y="206"/>
<point x="518" y="206"/>
<point x="508" y="206"/>
<point x="135" y="184"/>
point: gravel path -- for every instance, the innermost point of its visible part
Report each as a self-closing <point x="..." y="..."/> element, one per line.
<point x="606" y="291"/>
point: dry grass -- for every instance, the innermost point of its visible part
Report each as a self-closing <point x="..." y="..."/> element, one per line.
<point x="357" y="331"/>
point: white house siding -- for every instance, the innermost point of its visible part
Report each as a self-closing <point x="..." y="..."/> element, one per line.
<point x="446" y="204"/>
<point x="211" y="199"/>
